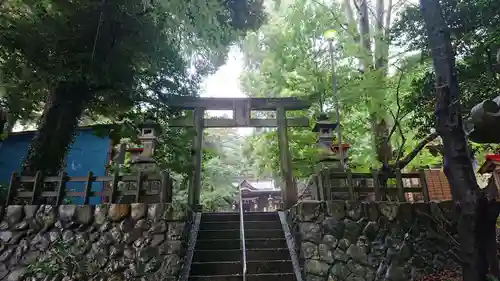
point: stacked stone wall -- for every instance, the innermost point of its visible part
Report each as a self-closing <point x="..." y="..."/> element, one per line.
<point x="367" y="241"/>
<point x="104" y="242"/>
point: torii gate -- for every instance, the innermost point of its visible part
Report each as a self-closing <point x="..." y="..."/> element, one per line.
<point x="242" y="108"/>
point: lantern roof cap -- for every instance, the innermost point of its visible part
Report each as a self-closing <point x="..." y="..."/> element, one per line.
<point x="150" y="124"/>
<point x="324" y="123"/>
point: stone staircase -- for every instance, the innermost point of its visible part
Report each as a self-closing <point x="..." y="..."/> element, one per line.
<point x="218" y="255"/>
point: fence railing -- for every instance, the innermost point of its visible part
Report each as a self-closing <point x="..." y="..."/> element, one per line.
<point x="328" y="185"/>
<point x="55" y="189"/>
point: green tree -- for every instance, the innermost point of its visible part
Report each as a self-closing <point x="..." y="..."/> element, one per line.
<point x="107" y="57"/>
<point x="475" y="38"/>
<point x="289" y="57"/>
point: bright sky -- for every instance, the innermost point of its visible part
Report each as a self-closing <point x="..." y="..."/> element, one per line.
<point x="225" y="83"/>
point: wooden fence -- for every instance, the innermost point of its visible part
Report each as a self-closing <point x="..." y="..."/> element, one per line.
<point x="40" y="190"/>
<point x="358" y="186"/>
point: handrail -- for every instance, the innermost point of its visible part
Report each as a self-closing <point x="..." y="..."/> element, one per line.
<point x="242" y="238"/>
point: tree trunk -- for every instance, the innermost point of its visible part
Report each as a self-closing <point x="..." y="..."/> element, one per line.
<point x="56" y="129"/>
<point x="3" y="120"/>
<point x="364" y="31"/>
<point x="474" y="227"/>
<point x="379" y="127"/>
<point x="381" y="139"/>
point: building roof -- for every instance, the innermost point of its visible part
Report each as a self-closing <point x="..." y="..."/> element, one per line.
<point x="257" y="187"/>
<point x="266" y="185"/>
<point x="81" y="128"/>
<point x="492" y="161"/>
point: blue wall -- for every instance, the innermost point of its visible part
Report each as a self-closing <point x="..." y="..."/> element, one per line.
<point x="88" y="153"/>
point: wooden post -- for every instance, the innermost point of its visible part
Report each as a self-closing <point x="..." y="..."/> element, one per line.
<point x="195" y="186"/>
<point x="312" y="184"/>
<point x="61" y="188"/>
<point x="423" y="185"/>
<point x="37" y="188"/>
<point x="376" y="185"/>
<point x="166" y="188"/>
<point x="139" y="186"/>
<point x="399" y="185"/>
<point x="328" y="183"/>
<point x="114" y="186"/>
<point x="318" y="188"/>
<point x="13" y="188"/>
<point x="290" y="193"/>
<point x="88" y="188"/>
<point x="350" y="184"/>
<point x="321" y="186"/>
<point x="120" y="159"/>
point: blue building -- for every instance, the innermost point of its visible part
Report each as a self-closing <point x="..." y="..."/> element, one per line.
<point x="88" y="153"/>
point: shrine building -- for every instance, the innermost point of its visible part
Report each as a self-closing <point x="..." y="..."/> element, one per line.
<point x="258" y="196"/>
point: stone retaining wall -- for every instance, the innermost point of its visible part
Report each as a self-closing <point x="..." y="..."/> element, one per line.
<point x="104" y="242"/>
<point x="369" y="241"/>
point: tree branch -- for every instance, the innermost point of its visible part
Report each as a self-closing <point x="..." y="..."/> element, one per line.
<point x="400" y="129"/>
<point x="403" y="142"/>
<point x="335" y="17"/>
<point x="355" y="5"/>
<point x="405" y="161"/>
<point x="396" y="116"/>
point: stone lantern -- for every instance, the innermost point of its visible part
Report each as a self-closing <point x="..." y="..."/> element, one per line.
<point x="148" y="135"/>
<point x="329" y="150"/>
<point x="329" y="159"/>
<point x="142" y="156"/>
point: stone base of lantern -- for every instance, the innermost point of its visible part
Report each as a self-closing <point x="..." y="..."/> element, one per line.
<point x="330" y="164"/>
<point x="147" y="166"/>
<point x="327" y="166"/>
<point x="143" y="163"/>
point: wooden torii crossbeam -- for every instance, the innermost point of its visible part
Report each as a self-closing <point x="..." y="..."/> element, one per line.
<point x="242" y="108"/>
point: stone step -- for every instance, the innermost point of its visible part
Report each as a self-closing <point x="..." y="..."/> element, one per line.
<point x="249" y="277"/>
<point x="233" y="267"/>
<point x="261" y="216"/>
<point x="231" y="244"/>
<point x="235" y="255"/>
<point x="251" y="216"/>
<point x="235" y="234"/>
<point x="222" y="217"/>
<point x="219" y="225"/>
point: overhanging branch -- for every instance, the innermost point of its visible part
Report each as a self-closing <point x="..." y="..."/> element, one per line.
<point x="406" y="160"/>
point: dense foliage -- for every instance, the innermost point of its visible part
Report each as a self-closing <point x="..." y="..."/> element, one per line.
<point x="107" y="58"/>
<point x="223" y="163"/>
<point x="476" y="41"/>
<point x="289" y="57"/>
